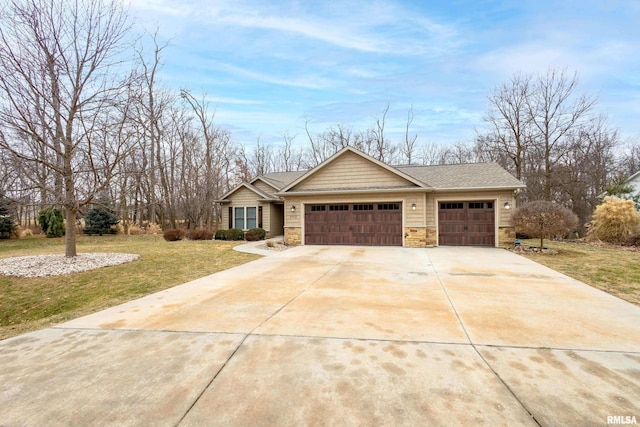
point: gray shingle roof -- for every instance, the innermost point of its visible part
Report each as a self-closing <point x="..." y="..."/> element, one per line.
<point x="282" y="179"/>
<point x="461" y="176"/>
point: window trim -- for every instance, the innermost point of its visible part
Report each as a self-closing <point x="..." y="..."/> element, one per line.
<point x="245" y="218"/>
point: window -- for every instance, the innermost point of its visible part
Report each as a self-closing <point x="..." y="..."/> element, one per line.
<point x="338" y="207"/>
<point x="259" y="216"/>
<point x="388" y="206"/>
<point x="230" y="217"/>
<point x="251" y="217"/>
<point x="451" y="205"/>
<point x="318" y="208"/>
<point x="239" y="218"/>
<point x="480" y="205"/>
<point x="362" y="207"/>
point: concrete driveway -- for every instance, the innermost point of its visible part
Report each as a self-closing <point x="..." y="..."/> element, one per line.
<point x="340" y="336"/>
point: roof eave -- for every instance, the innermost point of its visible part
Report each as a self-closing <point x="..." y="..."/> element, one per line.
<point x="493" y="188"/>
<point x="355" y="191"/>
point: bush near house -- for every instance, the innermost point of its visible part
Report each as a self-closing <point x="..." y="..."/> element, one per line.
<point x="199" y="234"/>
<point x="234" y="234"/>
<point x="544" y="220"/>
<point x="173" y="235"/>
<point x="614" y="221"/>
<point x="255" y="234"/>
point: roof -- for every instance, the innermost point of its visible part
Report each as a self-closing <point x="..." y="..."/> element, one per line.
<point x="262" y="194"/>
<point x="281" y="179"/>
<point x="463" y="176"/>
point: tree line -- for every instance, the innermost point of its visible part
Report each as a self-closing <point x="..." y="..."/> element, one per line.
<point x="84" y="117"/>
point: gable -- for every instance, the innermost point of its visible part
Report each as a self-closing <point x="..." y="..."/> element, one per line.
<point x="264" y="187"/>
<point x="244" y="196"/>
<point x="352" y="171"/>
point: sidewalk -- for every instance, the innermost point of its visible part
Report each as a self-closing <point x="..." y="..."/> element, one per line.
<point x="253" y="247"/>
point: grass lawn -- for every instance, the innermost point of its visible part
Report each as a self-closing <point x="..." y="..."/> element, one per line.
<point x="30" y="304"/>
<point x="612" y="269"/>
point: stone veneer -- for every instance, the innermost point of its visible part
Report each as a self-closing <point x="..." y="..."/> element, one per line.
<point x="506" y="236"/>
<point x="292" y="236"/>
<point x="419" y="237"/>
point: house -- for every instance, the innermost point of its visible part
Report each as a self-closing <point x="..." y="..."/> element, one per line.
<point x="354" y="199"/>
<point x="634" y="182"/>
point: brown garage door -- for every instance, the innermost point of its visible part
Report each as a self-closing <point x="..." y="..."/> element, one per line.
<point x="372" y="224"/>
<point x="466" y="223"/>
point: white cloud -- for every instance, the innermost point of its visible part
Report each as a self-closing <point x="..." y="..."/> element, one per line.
<point x="308" y="82"/>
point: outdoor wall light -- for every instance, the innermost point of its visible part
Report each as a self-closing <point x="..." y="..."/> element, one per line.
<point x="413" y="206"/>
<point x="293" y="208"/>
<point x="507" y="205"/>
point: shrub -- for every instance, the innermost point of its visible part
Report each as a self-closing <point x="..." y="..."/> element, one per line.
<point x="26" y="232"/>
<point x="255" y="234"/>
<point x="270" y="244"/>
<point x="614" y="221"/>
<point x="7" y="225"/>
<point x="51" y="222"/>
<point x="221" y="235"/>
<point x="119" y="228"/>
<point x="173" y="235"/>
<point x="544" y="220"/>
<point x="633" y="241"/>
<point x="199" y="234"/>
<point x="234" y="234"/>
<point x="100" y="220"/>
<point x="135" y="230"/>
<point x="153" y="228"/>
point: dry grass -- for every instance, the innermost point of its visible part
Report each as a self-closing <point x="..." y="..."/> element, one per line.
<point x="613" y="269"/>
<point x="31" y="304"/>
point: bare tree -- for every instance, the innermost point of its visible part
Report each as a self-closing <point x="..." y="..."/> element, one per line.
<point x="61" y="74"/>
<point x="554" y="111"/>
<point x="509" y="122"/>
<point x="408" y="145"/>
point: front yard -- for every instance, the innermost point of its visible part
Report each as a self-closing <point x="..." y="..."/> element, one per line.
<point x="30" y="304"/>
<point x="615" y="270"/>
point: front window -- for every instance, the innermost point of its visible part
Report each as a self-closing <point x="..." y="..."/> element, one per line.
<point x="251" y="217"/>
<point x="239" y="218"/>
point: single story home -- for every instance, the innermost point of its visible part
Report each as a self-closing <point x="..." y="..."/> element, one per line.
<point x="354" y="199"/>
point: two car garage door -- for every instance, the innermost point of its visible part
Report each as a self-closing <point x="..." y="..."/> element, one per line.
<point x="465" y="223"/>
<point x="371" y="224"/>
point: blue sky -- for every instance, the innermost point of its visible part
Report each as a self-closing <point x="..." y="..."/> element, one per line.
<point x="268" y="65"/>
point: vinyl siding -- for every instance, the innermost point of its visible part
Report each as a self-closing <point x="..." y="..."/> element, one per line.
<point x="351" y="171"/>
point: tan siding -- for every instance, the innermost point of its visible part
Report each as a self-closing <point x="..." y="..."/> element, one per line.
<point x="351" y="171"/>
<point x="244" y="197"/>
<point x="224" y="224"/>
<point x="264" y="187"/>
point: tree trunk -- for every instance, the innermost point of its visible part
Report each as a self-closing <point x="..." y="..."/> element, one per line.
<point x="70" y="233"/>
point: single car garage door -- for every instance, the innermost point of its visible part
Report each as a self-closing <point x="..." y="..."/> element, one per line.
<point x="466" y="223"/>
<point x="372" y="224"/>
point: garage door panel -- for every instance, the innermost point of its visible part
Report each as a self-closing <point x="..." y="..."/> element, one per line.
<point x="354" y="224"/>
<point x="466" y="223"/>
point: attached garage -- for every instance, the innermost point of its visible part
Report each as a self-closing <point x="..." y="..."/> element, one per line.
<point x="369" y="224"/>
<point x="466" y="223"/>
